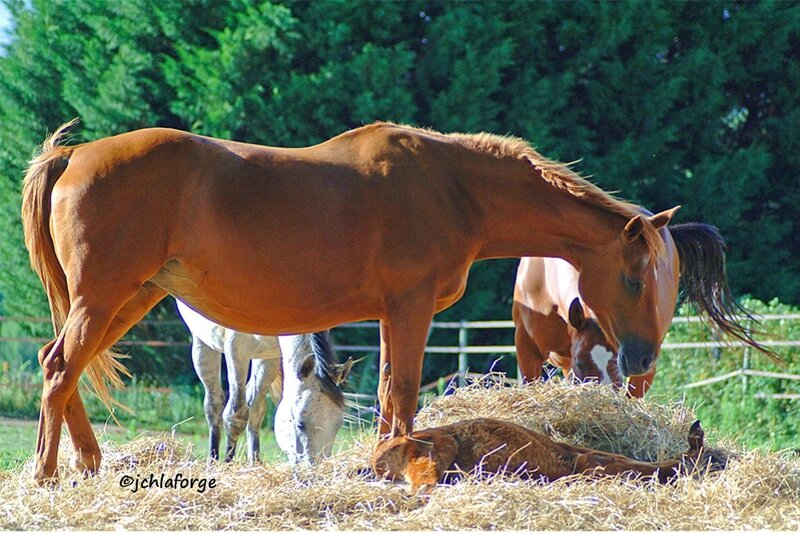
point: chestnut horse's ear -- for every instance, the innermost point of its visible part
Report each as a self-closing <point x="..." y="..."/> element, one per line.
<point x="633" y="229"/>
<point x="576" y="317"/>
<point x="662" y="219"/>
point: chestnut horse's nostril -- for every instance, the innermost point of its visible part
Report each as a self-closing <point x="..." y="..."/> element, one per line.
<point x="636" y="356"/>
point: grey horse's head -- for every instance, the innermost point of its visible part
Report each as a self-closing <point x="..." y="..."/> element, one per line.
<point x="312" y="407"/>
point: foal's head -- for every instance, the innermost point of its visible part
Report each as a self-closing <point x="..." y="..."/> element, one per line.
<point x="312" y="408"/>
<point x="593" y="358"/>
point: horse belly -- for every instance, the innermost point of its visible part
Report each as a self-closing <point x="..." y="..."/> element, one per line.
<point x="252" y="301"/>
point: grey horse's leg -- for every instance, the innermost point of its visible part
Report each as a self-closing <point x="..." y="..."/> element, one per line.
<point x="262" y="375"/>
<point x="236" y="410"/>
<point x="207" y="363"/>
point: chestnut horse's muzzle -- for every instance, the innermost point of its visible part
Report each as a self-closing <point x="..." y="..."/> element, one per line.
<point x="636" y="356"/>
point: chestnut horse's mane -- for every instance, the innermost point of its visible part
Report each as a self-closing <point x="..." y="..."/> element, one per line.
<point x="557" y="174"/>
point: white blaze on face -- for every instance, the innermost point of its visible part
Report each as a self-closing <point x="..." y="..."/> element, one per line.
<point x="601" y="356"/>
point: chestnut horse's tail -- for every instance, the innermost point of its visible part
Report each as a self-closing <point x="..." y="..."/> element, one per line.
<point x="43" y="172"/>
<point x="704" y="281"/>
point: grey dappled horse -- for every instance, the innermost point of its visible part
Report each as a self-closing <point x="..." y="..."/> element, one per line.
<point x="311" y="407"/>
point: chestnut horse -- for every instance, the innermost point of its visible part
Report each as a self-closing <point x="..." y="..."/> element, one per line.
<point x="545" y="290"/>
<point x="494" y="446"/>
<point x="381" y="222"/>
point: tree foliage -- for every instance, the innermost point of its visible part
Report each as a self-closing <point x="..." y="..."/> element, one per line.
<point x="668" y="103"/>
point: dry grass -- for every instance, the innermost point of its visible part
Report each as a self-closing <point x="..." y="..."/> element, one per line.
<point x="757" y="491"/>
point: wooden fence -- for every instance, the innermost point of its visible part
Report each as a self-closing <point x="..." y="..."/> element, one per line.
<point x="463" y="350"/>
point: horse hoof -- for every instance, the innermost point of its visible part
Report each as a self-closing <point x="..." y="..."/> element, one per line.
<point x="86" y="467"/>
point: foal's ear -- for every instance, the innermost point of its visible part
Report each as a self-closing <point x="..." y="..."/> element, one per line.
<point x="633" y="229"/>
<point x="662" y="219"/>
<point x="576" y="317"/>
<point x="696" y="436"/>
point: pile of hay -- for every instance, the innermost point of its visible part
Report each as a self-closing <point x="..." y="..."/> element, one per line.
<point x="757" y="491"/>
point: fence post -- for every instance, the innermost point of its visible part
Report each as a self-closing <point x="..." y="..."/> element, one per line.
<point x="462" y="355"/>
<point x="746" y="366"/>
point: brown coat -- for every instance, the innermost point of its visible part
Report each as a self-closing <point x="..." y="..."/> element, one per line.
<point x="494" y="446"/>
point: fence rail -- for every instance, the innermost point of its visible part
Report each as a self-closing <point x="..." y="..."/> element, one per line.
<point x="463" y="349"/>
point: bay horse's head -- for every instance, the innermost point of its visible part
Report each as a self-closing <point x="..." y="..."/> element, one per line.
<point x="593" y="357"/>
<point x="620" y="284"/>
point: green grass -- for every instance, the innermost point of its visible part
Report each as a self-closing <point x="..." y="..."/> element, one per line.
<point x="18" y="441"/>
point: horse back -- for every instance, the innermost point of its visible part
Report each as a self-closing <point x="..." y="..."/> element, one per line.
<point x="257" y="235"/>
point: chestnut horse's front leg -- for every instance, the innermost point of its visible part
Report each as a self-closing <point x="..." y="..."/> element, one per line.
<point x="408" y="322"/>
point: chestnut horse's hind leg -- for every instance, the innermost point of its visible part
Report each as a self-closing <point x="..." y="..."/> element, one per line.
<point x="85" y="333"/>
<point x="62" y="367"/>
<point x="86" y="451"/>
<point x="84" y="443"/>
<point x="385" y="384"/>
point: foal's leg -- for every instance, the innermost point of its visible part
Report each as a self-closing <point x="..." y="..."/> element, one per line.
<point x="236" y="411"/>
<point x="207" y="364"/>
<point x="604" y="464"/>
<point x="263" y="374"/>
<point x="385" y="384"/>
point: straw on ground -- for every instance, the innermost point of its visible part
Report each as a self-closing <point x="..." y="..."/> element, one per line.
<point x="758" y="490"/>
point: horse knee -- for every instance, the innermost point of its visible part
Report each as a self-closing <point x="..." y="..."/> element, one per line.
<point x="52" y="362"/>
<point x="44" y="351"/>
<point x="58" y="386"/>
<point x="235" y="416"/>
<point x="212" y="406"/>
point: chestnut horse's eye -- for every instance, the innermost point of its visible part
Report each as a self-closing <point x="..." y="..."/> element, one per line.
<point x="635" y="285"/>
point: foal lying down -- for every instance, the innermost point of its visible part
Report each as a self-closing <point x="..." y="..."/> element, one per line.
<point x="495" y="446"/>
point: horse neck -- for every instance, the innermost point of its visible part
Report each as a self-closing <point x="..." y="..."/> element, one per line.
<point x="294" y="350"/>
<point x="524" y="215"/>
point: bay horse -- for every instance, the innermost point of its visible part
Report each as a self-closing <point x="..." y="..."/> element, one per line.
<point x="310" y="395"/>
<point x="380" y="222"/>
<point x="581" y="349"/>
<point x="492" y="446"/>
<point x="546" y="288"/>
